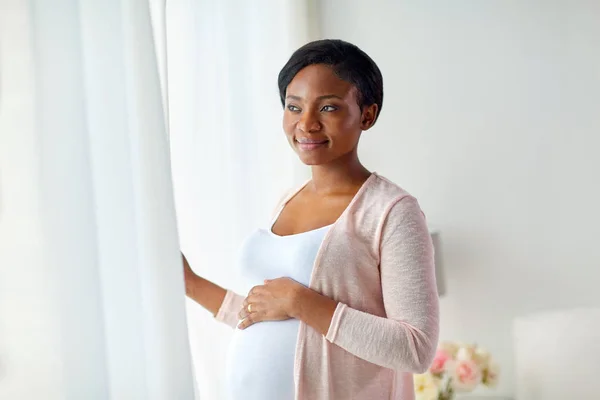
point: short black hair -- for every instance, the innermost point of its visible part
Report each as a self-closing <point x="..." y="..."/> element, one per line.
<point x="347" y="61"/>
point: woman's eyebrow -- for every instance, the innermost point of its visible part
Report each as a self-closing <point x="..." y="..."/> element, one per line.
<point x="324" y="97"/>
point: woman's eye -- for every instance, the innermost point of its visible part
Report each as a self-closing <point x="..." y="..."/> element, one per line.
<point x="292" y="108"/>
<point x="329" y="108"/>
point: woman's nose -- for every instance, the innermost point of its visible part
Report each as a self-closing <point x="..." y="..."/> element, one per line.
<point x="309" y="122"/>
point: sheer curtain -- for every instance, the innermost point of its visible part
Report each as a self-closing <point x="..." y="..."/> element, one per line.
<point x="231" y="162"/>
<point x="91" y="288"/>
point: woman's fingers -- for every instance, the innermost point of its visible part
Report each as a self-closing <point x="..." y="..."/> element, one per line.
<point x="248" y="306"/>
<point x="250" y="312"/>
<point x="251" y="319"/>
<point x="247" y="309"/>
<point x="251" y="308"/>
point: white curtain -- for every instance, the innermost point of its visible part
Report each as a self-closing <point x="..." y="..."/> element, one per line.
<point x="91" y="289"/>
<point x="231" y="162"/>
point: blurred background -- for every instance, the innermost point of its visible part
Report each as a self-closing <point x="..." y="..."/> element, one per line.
<point x="130" y="129"/>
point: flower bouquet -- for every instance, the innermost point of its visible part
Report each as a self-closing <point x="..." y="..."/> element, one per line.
<point x="456" y="368"/>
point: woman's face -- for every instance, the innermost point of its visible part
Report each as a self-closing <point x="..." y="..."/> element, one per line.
<point x="322" y="119"/>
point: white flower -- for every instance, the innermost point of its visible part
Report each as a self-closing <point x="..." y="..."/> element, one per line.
<point x="477" y="354"/>
<point x="490" y="375"/>
<point x="482" y="356"/>
<point x="450" y="348"/>
<point x="426" y="387"/>
<point x="465" y="353"/>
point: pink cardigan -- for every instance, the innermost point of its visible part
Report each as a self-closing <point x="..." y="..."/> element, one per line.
<point x="377" y="262"/>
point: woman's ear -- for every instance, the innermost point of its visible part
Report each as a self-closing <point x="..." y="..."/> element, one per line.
<point x="369" y="116"/>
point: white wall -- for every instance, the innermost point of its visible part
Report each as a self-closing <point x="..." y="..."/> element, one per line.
<point x="492" y="118"/>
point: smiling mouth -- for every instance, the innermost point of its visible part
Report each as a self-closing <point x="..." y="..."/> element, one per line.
<point x="310" y="144"/>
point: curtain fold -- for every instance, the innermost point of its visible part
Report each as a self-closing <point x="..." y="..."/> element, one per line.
<point x="91" y="288"/>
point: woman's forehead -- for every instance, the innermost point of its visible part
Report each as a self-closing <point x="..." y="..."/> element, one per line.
<point x="318" y="80"/>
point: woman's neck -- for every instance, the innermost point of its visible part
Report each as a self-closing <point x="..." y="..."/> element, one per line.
<point x="341" y="176"/>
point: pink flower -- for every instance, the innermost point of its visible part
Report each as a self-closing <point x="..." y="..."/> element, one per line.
<point x="466" y="375"/>
<point x="439" y="362"/>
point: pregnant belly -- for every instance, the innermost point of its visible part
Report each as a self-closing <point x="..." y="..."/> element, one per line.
<point x="261" y="361"/>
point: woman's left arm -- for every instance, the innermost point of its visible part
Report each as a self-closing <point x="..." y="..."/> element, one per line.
<point x="407" y="339"/>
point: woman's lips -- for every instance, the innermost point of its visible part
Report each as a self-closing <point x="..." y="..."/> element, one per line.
<point x="310" y="144"/>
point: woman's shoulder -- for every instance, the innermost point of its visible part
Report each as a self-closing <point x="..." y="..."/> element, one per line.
<point x="399" y="211"/>
<point x="386" y="200"/>
<point x="385" y="191"/>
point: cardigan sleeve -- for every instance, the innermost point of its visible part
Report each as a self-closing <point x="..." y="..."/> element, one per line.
<point x="231" y="306"/>
<point x="407" y="338"/>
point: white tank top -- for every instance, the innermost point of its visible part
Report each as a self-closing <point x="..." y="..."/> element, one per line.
<point x="260" y="363"/>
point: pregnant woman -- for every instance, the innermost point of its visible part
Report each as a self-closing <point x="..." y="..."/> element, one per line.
<point x="342" y="301"/>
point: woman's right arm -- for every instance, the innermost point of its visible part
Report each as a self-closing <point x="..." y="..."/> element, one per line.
<point x="223" y="304"/>
<point x="203" y="292"/>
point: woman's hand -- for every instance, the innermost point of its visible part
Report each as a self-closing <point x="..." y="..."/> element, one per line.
<point x="273" y="301"/>
<point x="188" y="275"/>
<point x="205" y="293"/>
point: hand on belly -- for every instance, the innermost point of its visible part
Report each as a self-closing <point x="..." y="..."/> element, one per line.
<point x="273" y="301"/>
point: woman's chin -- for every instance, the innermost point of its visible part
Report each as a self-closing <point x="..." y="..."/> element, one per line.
<point x="310" y="158"/>
<point x="311" y="161"/>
